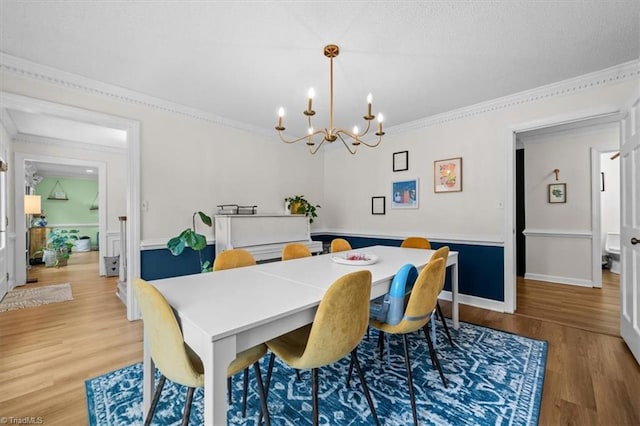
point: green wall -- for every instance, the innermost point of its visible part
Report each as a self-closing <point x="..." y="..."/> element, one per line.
<point x="81" y="194"/>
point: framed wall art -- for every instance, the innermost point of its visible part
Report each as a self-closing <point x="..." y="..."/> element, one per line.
<point x="378" y="205"/>
<point x="557" y="192"/>
<point x="447" y="175"/>
<point x="404" y="194"/>
<point x="400" y="161"/>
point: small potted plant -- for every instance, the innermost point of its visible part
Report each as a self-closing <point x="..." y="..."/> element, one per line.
<point x="59" y="245"/>
<point x="299" y="205"/>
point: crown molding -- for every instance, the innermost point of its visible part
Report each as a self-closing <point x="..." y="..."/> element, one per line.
<point x="22" y="67"/>
<point x="612" y="75"/>
<point x="40" y="140"/>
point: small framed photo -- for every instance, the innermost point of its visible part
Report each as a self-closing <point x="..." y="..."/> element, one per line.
<point x="557" y="192"/>
<point x="400" y="161"/>
<point x="447" y="175"/>
<point x="378" y="205"/>
<point x="404" y="194"/>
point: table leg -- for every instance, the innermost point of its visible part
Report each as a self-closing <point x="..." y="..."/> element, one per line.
<point x="454" y="295"/>
<point x="216" y="361"/>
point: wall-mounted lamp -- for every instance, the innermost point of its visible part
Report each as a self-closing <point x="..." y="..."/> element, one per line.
<point x="556" y="171"/>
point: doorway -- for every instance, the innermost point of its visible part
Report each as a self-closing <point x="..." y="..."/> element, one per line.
<point x="604" y="115"/>
<point x="70" y="204"/>
<point x="130" y="128"/>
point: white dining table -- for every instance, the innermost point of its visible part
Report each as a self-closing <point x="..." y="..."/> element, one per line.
<point x="225" y="312"/>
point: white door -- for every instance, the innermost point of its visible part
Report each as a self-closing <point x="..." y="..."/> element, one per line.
<point x="630" y="229"/>
<point x="4" y="282"/>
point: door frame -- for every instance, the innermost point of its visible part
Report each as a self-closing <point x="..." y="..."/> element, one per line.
<point x="604" y="114"/>
<point x="132" y="129"/>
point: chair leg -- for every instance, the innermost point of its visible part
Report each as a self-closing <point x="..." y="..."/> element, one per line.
<point x="444" y="323"/>
<point x="154" y="402"/>
<point x="350" y="372"/>
<point x="263" y="395"/>
<point x="187" y="406"/>
<point x="314" y="395"/>
<point x="425" y="329"/>
<point x="434" y="354"/>
<point x="365" y="388"/>
<point x="229" y="399"/>
<point x="297" y="374"/>
<point x="267" y="382"/>
<point x="407" y="363"/>
<point x="381" y="343"/>
<point x="245" y="385"/>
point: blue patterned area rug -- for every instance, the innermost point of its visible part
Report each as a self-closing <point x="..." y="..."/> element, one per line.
<point x="495" y="378"/>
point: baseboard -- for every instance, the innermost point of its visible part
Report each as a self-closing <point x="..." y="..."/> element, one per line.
<point x="478" y="302"/>
<point x="560" y="280"/>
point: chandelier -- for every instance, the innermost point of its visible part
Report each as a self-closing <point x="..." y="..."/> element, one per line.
<point x="351" y="139"/>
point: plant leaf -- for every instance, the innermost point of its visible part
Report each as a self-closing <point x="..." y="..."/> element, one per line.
<point x="205" y="219"/>
<point x="196" y="241"/>
<point x="176" y="245"/>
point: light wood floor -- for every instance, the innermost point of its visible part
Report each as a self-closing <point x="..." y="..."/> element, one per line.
<point x="46" y="353"/>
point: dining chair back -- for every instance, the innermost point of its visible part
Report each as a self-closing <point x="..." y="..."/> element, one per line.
<point x="340" y="244"/>
<point x="442" y="253"/>
<point x="417" y="314"/>
<point x="172" y="357"/>
<point x="337" y="329"/>
<point x="295" y="251"/>
<point x="234" y="258"/>
<point x="416" y="242"/>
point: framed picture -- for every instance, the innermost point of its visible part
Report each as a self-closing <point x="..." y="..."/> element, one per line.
<point x="557" y="192"/>
<point x="601" y="181"/>
<point x="447" y="175"/>
<point x="404" y="194"/>
<point x="377" y="205"/>
<point x="400" y="161"/>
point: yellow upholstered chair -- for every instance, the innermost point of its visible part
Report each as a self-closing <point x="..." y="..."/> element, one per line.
<point x="174" y="359"/>
<point x="337" y="329"/>
<point x="340" y="244"/>
<point x="417" y="314"/>
<point x="416" y="242"/>
<point x="295" y="251"/>
<point x="442" y="253"/>
<point x="234" y="258"/>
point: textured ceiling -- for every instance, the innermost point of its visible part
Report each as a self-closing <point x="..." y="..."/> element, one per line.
<point x="241" y="60"/>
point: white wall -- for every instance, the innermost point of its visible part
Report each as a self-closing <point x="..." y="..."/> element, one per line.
<point x="559" y="235"/>
<point x="190" y="164"/>
<point x="475" y="214"/>
<point x="610" y="197"/>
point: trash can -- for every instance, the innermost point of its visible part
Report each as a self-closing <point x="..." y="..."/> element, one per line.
<point x="112" y="265"/>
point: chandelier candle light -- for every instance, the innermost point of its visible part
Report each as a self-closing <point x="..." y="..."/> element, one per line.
<point x="331" y="134"/>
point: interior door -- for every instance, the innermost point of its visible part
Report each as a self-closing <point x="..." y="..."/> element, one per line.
<point x="630" y="229"/>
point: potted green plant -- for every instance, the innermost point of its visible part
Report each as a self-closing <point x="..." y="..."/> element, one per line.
<point x="59" y="244"/>
<point x="189" y="237"/>
<point x="300" y="205"/>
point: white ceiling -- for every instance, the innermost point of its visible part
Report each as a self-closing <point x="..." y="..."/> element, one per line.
<point x="241" y="60"/>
